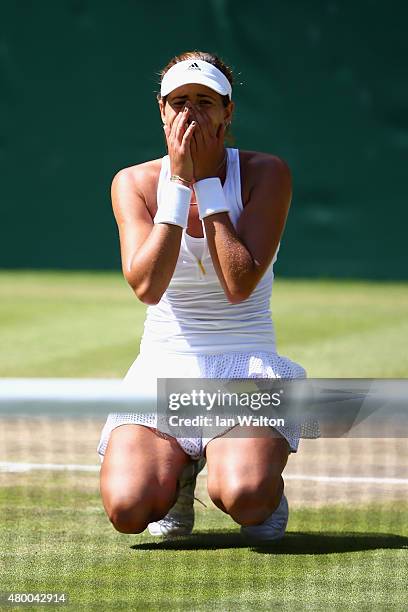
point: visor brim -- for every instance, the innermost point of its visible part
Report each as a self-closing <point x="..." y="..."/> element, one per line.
<point x="194" y="79"/>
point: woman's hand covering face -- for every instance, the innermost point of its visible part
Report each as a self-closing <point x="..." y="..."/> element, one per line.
<point x="206" y="144"/>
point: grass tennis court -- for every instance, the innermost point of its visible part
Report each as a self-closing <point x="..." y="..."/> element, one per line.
<point x="336" y="558"/>
<point x="346" y="548"/>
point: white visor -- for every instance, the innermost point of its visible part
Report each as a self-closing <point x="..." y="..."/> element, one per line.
<point x="195" y="71"/>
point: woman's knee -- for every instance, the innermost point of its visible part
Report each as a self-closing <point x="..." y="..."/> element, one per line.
<point x="247" y="502"/>
<point x="132" y="514"/>
<point x="138" y="478"/>
<point x="128" y="516"/>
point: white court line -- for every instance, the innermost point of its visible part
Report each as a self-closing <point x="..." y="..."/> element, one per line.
<point x="349" y="479"/>
<point x="6" y="466"/>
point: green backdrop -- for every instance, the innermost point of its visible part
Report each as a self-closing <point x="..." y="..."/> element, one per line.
<point x="322" y="84"/>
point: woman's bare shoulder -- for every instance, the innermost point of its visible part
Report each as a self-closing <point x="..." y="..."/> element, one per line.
<point x="140" y="180"/>
<point x="259" y="159"/>
<point x="140" y="174"/>
<point x="256" y="166"/>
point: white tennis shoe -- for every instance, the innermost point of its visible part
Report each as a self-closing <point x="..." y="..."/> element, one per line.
<point x="273" y="528"/>
<point x="180" y="519"/>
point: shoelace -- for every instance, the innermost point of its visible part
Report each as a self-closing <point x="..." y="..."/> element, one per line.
<point x="169" y="522"/>
<point x="201" y="502"/>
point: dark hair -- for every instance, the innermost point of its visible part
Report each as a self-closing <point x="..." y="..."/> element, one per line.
<point x="204" y="56"/>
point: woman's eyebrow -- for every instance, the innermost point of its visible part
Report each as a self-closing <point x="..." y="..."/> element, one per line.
<point x="205" y="96"/>
<point x="199" y="95"/>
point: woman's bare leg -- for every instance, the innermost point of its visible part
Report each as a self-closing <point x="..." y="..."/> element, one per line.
<point x="244" y="473"/>
<point x="139" y="476"/>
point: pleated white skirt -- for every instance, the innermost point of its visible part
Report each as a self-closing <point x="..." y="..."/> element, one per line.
<point x="147" y="367"/>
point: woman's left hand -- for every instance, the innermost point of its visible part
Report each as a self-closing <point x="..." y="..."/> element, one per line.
<point x="206" y="145"/>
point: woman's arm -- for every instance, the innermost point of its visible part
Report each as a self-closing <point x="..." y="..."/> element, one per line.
<point x="150" y="247"/>
<point x="241" y="257"/>
<point x="149" y="251"/>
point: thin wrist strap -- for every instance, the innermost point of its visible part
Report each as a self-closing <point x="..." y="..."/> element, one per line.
<point x="175" y="178"/>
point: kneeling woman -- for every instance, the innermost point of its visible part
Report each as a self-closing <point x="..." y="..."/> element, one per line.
<point x="199" y="232"/>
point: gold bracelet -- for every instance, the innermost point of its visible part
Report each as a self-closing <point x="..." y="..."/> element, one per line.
<point x="176" y="177"/>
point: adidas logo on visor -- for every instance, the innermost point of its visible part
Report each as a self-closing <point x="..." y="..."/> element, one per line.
<point x="194" y="66"/>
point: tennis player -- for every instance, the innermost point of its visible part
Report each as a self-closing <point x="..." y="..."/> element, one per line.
<point x="199" y="230"/>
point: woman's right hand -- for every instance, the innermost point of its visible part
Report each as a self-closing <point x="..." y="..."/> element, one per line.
<point x="178" y="136"/>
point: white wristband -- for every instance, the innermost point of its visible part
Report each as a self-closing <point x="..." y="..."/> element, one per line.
<point x="174" y="204"/>
<point x="210" y="197"/>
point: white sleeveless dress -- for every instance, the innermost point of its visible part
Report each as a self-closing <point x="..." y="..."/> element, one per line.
<point x="194" y="332"/>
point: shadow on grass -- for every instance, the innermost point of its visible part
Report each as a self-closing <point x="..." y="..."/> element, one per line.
<point x="311" y="543"/>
